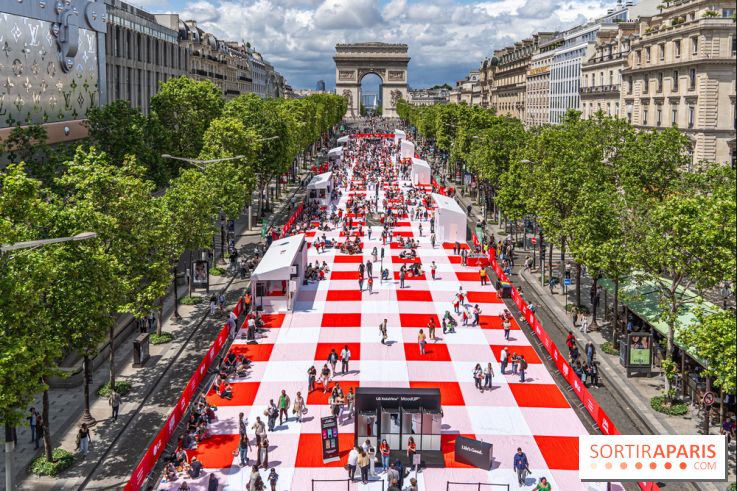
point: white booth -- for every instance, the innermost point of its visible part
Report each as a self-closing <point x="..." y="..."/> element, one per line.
<point x="344" y="139"/>
<point x="278" y="277"/>
<point x="450" y="220"/>
<point x="421" y="172"/>
<point x="399" y="135"/>
<point x="407" y="150"/>
<point x="335" y="153"/>
<point x="320" y="187"/>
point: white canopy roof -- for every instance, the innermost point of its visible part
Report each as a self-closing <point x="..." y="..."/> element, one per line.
<point x="446" y="203"/>
<point x="399" y="135"/>
<point x="336" y="151"/>
<point x="450" y="219"/>
<point x="277" y="262"/>
<point x="320" y="181"/>
<point x="344" y="139"/>
<point x="421" y="172"/>
<point x="407" y="150"/>
<point x="420" y="163"/>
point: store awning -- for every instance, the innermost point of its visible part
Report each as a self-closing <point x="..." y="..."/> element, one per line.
<point x="320" y="181"/>
<point x="277" y="262"/>
<point x="643" y="300"/>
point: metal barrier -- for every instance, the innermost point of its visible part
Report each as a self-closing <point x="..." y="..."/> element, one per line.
<point x="347" y="482"/>
<point x="479" y="486"/>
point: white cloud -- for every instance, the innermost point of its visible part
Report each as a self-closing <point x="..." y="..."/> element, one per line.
<point x="446" y="37"/>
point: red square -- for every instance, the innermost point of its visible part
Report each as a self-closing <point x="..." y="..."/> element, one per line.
<point x="320" y="398"/>
<point x="273" y="320"/>
<point x="525" y="350"/>
<point x="454" y="259"/>
<point x="433" y="352"/>
<point x="467" y="276"/>
<point x="417" y="320"/>
<point x="309" y="450"/>
<point x="352" y="233"/>
<point x="559" y="452"/>
<point x="495" y="322"/>
<point x="409" y="277"/>
<point x="404" y="295"/>
<point x="216" y="452"/>
<point x="347" y="258"/>
<point x="448" y="447"/>
<point x="341" y="320"/>
<point x="244" y="393"/>
<point x="344" y="275"/>
<point x="311" y="233"/>
<point x="403" y="233"/>
<point x="254" y="352"/>
<point x="344" y="296"/>
<point x="323" y="350"/>
<point x="450" y="392"/>
<point x="399" y="260"/>
<point x="403" y="224"/>
<point x="449" y="245"/>
<point x="483" y="297"/>
<point x="539" y="395"/>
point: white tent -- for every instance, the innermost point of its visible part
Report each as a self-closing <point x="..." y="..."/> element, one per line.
<point x="450" y="220"/>
<point x="421" y="172"/>
<point x="399" y="135"/>
<point x="407" y="150"/>
<point x="320" y="187"/>
<point x="277" y="278"/>
<point x="344" y="139"/>
<point x="336" y="152"/>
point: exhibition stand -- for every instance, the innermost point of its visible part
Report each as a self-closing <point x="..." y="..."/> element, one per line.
<point x="320" y="187"/>
<point x="421" y="172"/>
<point x="450" y="220"/>
<point x="278" y="277"/>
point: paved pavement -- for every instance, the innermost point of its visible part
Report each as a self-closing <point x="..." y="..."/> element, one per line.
<point x="118" y="445"/>
<point x="625" y="400"/>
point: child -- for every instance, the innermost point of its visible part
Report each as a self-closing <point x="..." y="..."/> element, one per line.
<point x="515" y="362"/>
<point x="465" y="317"/>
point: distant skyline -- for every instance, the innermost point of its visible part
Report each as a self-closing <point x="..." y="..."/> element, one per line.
<point x="446" y="38"/>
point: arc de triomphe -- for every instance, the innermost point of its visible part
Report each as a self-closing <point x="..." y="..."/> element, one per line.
<point x="388" y="61"/>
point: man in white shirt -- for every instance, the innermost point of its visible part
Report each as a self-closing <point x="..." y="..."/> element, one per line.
<point x="504" y="359"/>
<point x="352" y="463"/>
<point x="345" y="357"/>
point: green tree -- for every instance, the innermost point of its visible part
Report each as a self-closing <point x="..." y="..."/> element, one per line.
<point x="713" y="338"/>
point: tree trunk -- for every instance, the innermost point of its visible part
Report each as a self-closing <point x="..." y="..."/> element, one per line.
<point x="562" y="263"/>
<point x="616" y="310"/>
<point x="48" y="449"/>
<point x="578" y="284"/>
<point x="550" y="260"/>
<point x="111" y="357"/>
<point x="87" y="416"/>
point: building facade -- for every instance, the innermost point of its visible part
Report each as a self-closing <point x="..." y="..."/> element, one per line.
<point x="140" y="53"/>
<point x="537" y="97"/>
<point x="429" y="97"/>
<point x="468" y="90"/>
<point x="681" y="72"/>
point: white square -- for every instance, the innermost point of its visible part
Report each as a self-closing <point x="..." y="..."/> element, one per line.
<point x="383" y="371"/>
<point x="465" y="335"/>
<point x="287" y="371"/>
<point x="298" y="335"/>
<point x="495" y="420"/>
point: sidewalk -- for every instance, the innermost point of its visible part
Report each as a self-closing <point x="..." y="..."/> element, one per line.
<point x="633" y="393"/>
<point x="155" y="387"/>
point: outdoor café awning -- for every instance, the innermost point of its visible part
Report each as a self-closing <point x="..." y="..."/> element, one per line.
<point x="643" y="300"/>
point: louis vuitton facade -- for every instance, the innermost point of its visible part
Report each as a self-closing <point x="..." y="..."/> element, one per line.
<point x="52" y="64"/>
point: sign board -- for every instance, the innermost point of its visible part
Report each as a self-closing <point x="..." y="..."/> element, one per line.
<point x="534" y="241"/>
<point x="567" y="281"/>
<point x="329" y="427"/>
<point x="474" y="452"/>
<point x="201" y="275"/>
<point x="416" y="459"/>
<point x="708" y="399"/>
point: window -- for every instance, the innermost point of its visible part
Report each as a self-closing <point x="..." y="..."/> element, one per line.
<point x="630" y="84"/>
<point x="611" y="77"/>
<point x="675" y="80"/>
<point x="658" y="115"/>
<point x="647" y="55"/>
<point x="645" y="110"/>
<point x="691" y="114"/>
<point x="677" y="48"/>
<point x="692" y="79"/>
<point x="645" y="85"/>
<point x="661" y="52"/>
<point x="674" y="116"/>
<point x="695" y="45"/>
<point x="638" y="57"/>
<point x="660" y="81"/>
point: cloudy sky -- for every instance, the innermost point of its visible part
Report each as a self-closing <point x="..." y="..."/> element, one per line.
<point x="446" y="38"/>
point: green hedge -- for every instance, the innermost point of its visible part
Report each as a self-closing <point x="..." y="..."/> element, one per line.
<point x="123" y="388"/>
<point x="215" y="271"/>
<point x="62" y="460"/>
<point x="733" y="487"/>
<point x="189" y="300"/>
<point x="671" y="408"/>
<point x="165" y="337"/>
<point x="609" y="348"/>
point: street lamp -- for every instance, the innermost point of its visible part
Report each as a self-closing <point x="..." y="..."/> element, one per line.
<point x="30" y="244"/>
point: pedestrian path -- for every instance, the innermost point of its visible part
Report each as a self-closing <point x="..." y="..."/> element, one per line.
<point x="334" y="313"/>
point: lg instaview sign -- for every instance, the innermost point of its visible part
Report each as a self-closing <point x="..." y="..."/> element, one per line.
<point x="652" y="458"/>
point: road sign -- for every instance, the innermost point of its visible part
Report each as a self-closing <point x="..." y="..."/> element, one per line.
<point x="567" y="282"/>
<point x="534" y="241"/>
<point x="708" y="399"/>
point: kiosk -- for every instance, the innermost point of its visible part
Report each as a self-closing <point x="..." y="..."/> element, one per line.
<point x="407" y="150"/>
<point x="344" y="139"/>
<point x="399" y="135"/>
<point x="320" y="187"/>
<point x="335" y="153"/>
<point x="421" y="172"/>
<point x="278" y="277"/>
<point x="450" y="220"/>
<point x="395" y="414"/>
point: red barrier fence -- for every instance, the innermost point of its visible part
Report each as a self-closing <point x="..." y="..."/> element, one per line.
<point x="373" y="135"/>
<point x="290" y="223"/>
<point x="152" y="455"/>
<point x="597" y="413"/>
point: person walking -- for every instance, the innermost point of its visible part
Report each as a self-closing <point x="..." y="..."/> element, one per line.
<point x="411" y="450"/>
<point x="360" y="280"/>
<point x="273" y="478"/>
<point x="352" y="463"/>
<point x="363" y="465"/>
<point x="385" y="451"/>
<point x="345" y="358"/>
<point x="574" y="317"/>
<point x="590" y="352"/>
<point x="483" y="276"/>
<point x="370" y="282"/>
<point x="300" y="407"/>
<point x="243" y="447"/>
<point x="401" y="277"/>
<point x="521" y="466"/>
<point x="83" y="440"/>
<point x="32" y="422"/>
<point x="584" y="324"/>
<point x="488" y="376"/>
<point x="478" y="377"/>
<point x="333" y="360"/>
<point x="504" y="359"/>
<point x="507" y="325"/>
<point x="522" y="367"/>
<point x="271" y="413"/>
<point x="432" y="239"/>
<point x="259" y="429"/>
<point x="421" y="341"/>
<point x="433" y="268"/>
<point x="383" y="331"/>
<point x="369" y="268"/>
<point x="263" y="453"/>
<point x="311" y="375"/>
<point x="114" y="401"/>
<point x="431" y="329"/>
<point x="284" y="404"/>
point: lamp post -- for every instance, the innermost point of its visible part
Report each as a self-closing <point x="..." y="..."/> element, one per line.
<point x="4" y="248"/>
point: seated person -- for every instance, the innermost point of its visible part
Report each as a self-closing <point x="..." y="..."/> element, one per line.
<point x="241" y="369"/>
<point x="171" y="472"/>
<point x="195" y="468"/>
<point x="184" y="486"/>
<point x="187" y="441"/>
<point x="385" y="274"/>
<point x="180" y="456"/>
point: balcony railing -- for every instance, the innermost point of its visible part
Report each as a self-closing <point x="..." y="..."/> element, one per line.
<point x="600" y="89"/>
